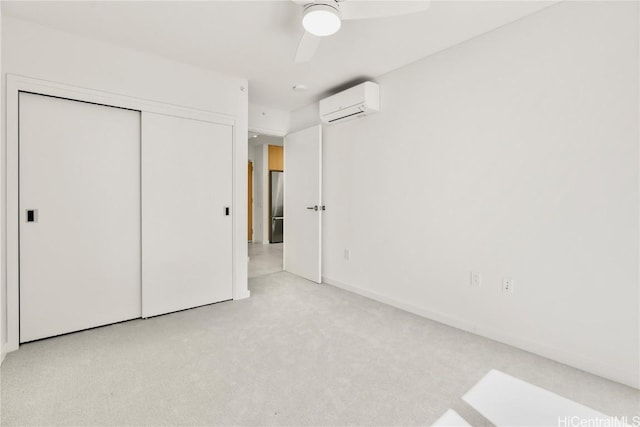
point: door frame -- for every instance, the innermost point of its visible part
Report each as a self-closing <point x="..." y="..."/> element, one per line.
<point x="16" y="84"/>
<point x="266" y="235"/>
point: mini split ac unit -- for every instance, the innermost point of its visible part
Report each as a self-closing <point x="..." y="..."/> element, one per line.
<point x="358" y="101"/>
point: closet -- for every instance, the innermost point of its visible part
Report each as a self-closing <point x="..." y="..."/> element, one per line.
<point x="123" y="214"/>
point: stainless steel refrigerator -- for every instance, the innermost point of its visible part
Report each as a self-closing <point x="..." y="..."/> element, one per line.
<point x="276" y="200"/>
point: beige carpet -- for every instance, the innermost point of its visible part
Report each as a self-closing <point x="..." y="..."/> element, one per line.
<point x="295" y="353"/>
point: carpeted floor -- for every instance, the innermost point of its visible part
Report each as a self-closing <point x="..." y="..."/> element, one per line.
<point x="295" y="353"/>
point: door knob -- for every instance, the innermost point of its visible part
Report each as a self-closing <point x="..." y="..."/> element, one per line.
<point x="313" y="208"/>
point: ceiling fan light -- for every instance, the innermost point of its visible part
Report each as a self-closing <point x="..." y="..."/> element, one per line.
<point x="321" y="20"/>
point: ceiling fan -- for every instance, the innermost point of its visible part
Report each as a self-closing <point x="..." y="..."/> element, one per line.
<point x="323" y="18"/>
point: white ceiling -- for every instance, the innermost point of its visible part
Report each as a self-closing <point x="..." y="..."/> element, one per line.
<point x="261" y="139"/>
<point x="257" y="40"/>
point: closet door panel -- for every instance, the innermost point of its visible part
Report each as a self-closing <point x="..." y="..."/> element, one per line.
<point x="186" y="227"/>
<point x="79" y="215"/>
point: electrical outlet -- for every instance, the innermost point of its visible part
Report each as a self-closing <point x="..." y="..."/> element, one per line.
<point x="347" y="254"/>
<point x="507" y="285"/>
<point x="476" y="278"/>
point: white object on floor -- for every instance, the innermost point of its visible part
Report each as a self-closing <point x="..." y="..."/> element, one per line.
<point x="508" y="401"/>
<point x="451" y="419"/>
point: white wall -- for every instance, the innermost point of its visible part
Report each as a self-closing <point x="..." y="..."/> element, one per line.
<point x="513" y="154"/>
<point x="36" y="51"/>
<point x="266" y="213"/>
<point x="268" y="120"/>
<point x="257" y="156"/>
<point x="2" y="209"/>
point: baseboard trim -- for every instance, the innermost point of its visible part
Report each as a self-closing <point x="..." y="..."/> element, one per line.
<point x="243" y="295"/>
<point x="6" y="349"/>
<point x="559" y="355"/>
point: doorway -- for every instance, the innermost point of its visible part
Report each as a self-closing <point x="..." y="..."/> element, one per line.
<point x="276" y="193"/>
<point x="266" y="203"/>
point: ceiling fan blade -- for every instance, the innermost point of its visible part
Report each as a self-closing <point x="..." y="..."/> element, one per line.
<point x="367" y="9"/>
<point x="307" y="47"/>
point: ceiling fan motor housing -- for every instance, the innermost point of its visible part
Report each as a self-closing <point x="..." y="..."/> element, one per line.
<point x="322" y="18"/>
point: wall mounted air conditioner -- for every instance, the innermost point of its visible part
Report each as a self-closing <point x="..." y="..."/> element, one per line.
<point x="358" y="101"/>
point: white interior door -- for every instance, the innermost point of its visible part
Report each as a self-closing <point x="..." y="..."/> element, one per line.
<point x="303" y="203"/>
<point x="187" y="168"/>
<point x="80" y="256"/>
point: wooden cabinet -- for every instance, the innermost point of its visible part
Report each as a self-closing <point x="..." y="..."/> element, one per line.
<point x="276" y="158"/>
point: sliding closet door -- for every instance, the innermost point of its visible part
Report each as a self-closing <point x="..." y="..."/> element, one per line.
<point x="79" y="216"/>
<point x="186" y="218"/>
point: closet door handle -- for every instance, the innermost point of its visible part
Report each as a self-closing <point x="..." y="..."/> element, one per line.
<point x="32" y="215"/>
